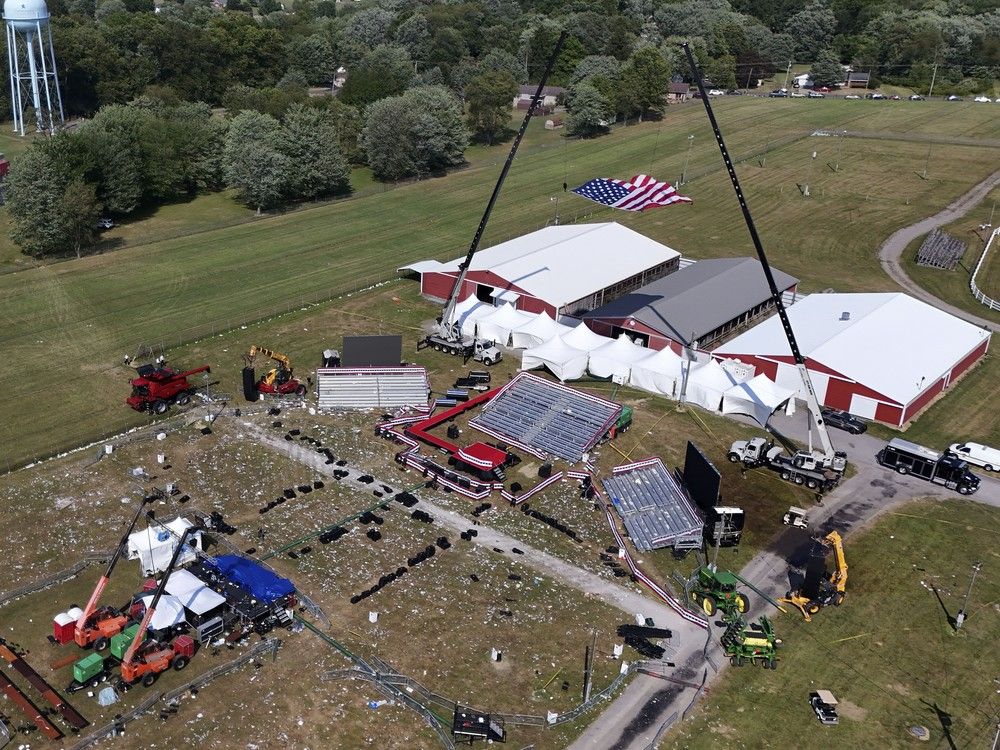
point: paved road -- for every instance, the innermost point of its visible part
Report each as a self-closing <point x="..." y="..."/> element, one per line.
<point x="633" y="719"/>
<point x="892" y="249"/>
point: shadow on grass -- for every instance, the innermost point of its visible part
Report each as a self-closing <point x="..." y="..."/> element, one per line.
<point x="951" y="620"/>
<point x="944" y="719"/>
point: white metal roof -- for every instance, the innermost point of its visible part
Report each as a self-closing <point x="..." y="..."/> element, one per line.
<point x="891" y="342"/>
<point x="562" y="264"/>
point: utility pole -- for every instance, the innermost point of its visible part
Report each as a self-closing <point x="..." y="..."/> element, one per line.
<point x="788" y="72"/>
<point x="749" y="74"/>
<point x="960" y="618"/>
<point x="840" y="142"/>
<point x="927" y="162"/>
<point x="812" y="169"/>
<point x="687" y="158"/>
<point x="996" y="737"/>
<point x="933" y="77"/>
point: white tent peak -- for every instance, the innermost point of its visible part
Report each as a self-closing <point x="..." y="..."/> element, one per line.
<point x="583" y="338"/>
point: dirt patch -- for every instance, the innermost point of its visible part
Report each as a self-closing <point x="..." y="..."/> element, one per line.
<point x="898" y="688"/>
<point x="852" y="711"/>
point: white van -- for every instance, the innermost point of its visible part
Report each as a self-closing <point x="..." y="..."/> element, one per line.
<point x="980" y="455"/>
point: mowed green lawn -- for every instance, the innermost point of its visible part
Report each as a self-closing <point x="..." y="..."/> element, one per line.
<point x="888" y="654"/>
<point x="66" y="326"/>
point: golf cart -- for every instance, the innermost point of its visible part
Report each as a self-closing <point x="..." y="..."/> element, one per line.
<point x="824" y="706"/>
<point x="796" y="517"/>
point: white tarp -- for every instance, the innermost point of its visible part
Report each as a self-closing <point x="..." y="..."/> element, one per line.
<point x="706" y="385"/>
<point x="615" y="359"/>
<point x="169" y="612"/>
<point x="468" y="311"/>
<point x="537" y="331"/>
<point x="498" y="324"/>
<point x="191" y="592"/>
<point x="154" y="546"/>
<point x="757" y="398"/>
<point x="561" y="359"/>
<point x="583" y="338"/>
<point x="659" y="372"/>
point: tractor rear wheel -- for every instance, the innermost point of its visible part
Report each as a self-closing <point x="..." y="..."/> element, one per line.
<point x="708" y="606"/>
<point x="159" y="406"/>
<point x="149" y="678"/>
<point x="179" y="662"/>
<point x="742" y="603"/>
<point x="838" y="599"/>
<point x="183" y="398"/>
<point x="101" y="643"/>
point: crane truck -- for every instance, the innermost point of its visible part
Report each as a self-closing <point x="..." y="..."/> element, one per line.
<point x="820" y="469"/>
<point x="277" y="381"/>
<point x="97" y="625"/>
<point x="146" y="660"/>
<point x="448" y="336"/>
<point x="819" y="589"/>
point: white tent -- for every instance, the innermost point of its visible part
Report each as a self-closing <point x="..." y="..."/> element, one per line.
<point x="154" y="546"/>
<point x="468" y="311"/>
<point x="659" y="372"/>
<point x="706" y="385"/>
<point x="193" y="593"/>
<point x="536" y="331"/>
<point x="615" y="359"/>
<point x="497" y="325"/>
<point x="757" y="398"/>
<point x="562" y="360"/>
<point x="583" y="338"/>
<point x="169" y="611"/>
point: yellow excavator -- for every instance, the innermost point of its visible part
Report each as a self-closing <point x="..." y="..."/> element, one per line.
<point x="279" y="380"/>
<point x="820" y="588"/>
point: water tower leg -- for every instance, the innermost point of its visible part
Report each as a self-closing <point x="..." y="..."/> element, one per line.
<point x="45" y="78"/>
<point x="55" y="78"/>
<point x="33" y="70"/>
<point x="15" y="81"/>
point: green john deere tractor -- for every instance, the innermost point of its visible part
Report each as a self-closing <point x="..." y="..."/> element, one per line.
<point x="754" y="643"/>
<point x="716" y="591"/>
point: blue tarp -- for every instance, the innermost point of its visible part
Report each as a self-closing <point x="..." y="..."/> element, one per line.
<point x="254" y="578"/>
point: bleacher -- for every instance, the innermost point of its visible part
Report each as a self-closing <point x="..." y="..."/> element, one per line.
<point x="941" y="250"/>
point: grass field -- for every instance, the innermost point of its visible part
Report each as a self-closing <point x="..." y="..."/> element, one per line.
<point x="889" y="654"/>
<point x="67" y="325"/>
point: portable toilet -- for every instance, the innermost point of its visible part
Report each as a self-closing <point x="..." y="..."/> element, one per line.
<point x="64" y="625"/>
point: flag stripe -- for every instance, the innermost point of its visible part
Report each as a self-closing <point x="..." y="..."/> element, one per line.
<point x="640" y="193"/>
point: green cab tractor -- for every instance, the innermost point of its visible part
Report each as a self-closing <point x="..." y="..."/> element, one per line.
<point x="754" y="643"/>
<point x="716" y="591"/>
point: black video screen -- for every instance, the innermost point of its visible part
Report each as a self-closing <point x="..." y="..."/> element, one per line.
<point x="702" y="479"/>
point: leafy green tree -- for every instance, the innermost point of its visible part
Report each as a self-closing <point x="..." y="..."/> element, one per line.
<point x="414" y="36"/>
<point x="595" y="65"/>
<point x="826" y="70"/>
<point x="490" y="96"/>
<point x="643" y="83"/>
<point x="812" y="28"/>
<point x="253" y="160"/>
<point x="722" y="72"/>
<point x="368" y="29"/>
<point x="498" y="60"/>
<point x="385" y="71"/>
<point x="316" y="167"/>
<point x="82" y="210"/>
<point x="387" y="139"/>
<point x="590" y="113"/>
<point x="108" y="9"/>
<point x="314" y="56"/>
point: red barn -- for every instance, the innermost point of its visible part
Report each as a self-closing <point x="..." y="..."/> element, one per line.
<point x="878" y="356"/>
<point x="560" y="270"/>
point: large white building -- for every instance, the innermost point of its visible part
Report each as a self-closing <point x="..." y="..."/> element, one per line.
<point x="879" y="356"/>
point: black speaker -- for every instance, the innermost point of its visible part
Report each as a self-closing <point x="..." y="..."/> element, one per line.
<point x="249" y="384"/>
<point x="545" y="471"/>
<point x="453" y="431"/>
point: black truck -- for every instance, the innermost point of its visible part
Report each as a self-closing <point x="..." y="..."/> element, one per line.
<point x="939" y="468"/>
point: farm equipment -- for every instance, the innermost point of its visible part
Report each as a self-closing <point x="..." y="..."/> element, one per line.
<point x="96" y="625"/>
<point x="157" y="387"/>
<point x="146" y="660"/>
<point x="448" y="336"/>
<point x="754" y="643"/>
<point x="277" y="381"/>
<point x="796" y="517"/>
<point x="820" y="589"/>
<point x="716" y="591"/>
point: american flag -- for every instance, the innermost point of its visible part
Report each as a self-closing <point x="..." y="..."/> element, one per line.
<point x="638" y="194"/>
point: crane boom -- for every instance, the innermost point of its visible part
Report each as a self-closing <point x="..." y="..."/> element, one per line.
<point x="447" y="328"/>
<point x="812" y="402"/>
<point x="278" y="357"/>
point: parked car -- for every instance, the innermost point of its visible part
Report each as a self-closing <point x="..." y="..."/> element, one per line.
<point x="852" y="96"/>
<point x="895" y="97"/>
<point x="875" y="95"/>
<point x="105" y="223"/>
<point x="778" y="94"/>
<point x="797" y="95"/>
<point x="916" y="98"/>
<point x="980" y="455"/>
<point x="816" y="95"/>
<point x="716" y="92"/>
<point x="842" y="420"/>
<point x="823" y="89"/>
<point x="734" y="92"/>
<point x="954" y="98"/>
<point x="982" y="99"/>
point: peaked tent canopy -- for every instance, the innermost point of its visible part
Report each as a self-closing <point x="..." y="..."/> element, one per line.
<point x="537" y="331"/>
<point x="497" y="325"/>
<point x="659" y="372"/>
<point x="616" y="358"/>
<point x="154" y="546"/>
<point x="707" y="383"/>
<point x="168" y="613"/>
<point x="561" y="359"/>
<point x="757" y="398"/>
<point x="583" y="338"/>
<point x="468" y="311"/>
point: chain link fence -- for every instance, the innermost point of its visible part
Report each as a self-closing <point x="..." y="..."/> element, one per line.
<point x="56" y="578"/>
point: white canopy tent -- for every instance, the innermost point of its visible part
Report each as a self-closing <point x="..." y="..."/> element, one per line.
<point x="154" y="546"/>
<point x="468" y="311"/>
<point x="615" y="359"/>
<point x="659" y="372"/>
<point x="192" y="593"/>
<point x="536" y="331"/>
<point x="706" y="385"/>
<point x="757" y="398"/>
<point x="169" y="611"/>
<point x="497" y="325"/>
<point x="583" y="338"/>
<point x="561" y="359"/>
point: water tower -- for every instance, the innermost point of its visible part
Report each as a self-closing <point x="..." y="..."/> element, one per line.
<point x="32" y="66"/>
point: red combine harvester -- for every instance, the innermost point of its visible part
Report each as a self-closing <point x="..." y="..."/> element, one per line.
<point x="145" y="661"/>
<point x="158" y="386"/>
<point x="96" y="625"/>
